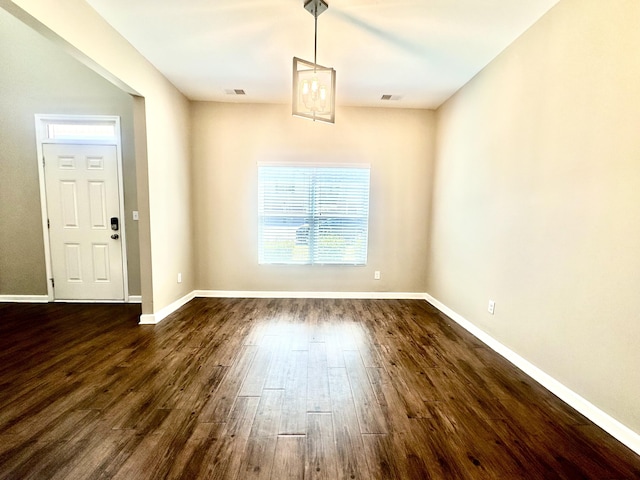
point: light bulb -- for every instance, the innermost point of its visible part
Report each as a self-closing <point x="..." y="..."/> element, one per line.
<point x="323" y="97"/>
<point x="304" y="92"/>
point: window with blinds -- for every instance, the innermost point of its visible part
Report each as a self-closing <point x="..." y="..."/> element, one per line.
<point x="313" y="215"/>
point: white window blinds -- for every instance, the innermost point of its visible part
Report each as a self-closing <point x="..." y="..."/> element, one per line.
<point x="313" y="215"/>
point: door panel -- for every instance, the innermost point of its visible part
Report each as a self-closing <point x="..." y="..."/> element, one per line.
<point x="98" y="205"/>
<point x="73" y="262"/>
<point x="101" y="263"/>
<point x="82" y="196"/>
<point x="69" y="204"/>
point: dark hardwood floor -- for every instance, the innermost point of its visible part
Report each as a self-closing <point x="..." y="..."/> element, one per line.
<point x="281" y="389"/>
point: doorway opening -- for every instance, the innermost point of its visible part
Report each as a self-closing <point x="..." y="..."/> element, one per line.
<point x="82" y="204"/>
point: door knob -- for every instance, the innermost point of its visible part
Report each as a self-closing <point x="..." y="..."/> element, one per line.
<point x="115" y="236"/>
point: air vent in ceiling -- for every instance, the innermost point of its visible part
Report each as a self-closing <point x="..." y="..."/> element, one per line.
<point x="391" y="97"/>
<point x="235" y="91"/>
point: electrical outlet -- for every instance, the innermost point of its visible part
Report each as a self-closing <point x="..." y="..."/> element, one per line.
<point x="179" y="278"/>
<point x="376" y="275"/>
<point x="135" y="215"/>
<point x="492" y="307"/>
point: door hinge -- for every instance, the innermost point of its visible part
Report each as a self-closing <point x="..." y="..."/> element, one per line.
<point x="53" y="283"/>
<point x="43" y="161"/>
<point x="48" y="223"/>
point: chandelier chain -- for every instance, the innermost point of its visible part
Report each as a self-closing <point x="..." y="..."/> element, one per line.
<point x="315" y="39"/>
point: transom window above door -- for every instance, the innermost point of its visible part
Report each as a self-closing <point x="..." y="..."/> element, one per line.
<point x="90" y="129"/>
<point x="85" y="131"/>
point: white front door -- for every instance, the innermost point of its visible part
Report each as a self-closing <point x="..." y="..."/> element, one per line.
<point x="83" y="208"/>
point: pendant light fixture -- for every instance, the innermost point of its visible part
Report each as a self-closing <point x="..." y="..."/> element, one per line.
<point x="314" y="86"/>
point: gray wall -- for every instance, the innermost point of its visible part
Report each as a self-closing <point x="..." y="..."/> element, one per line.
<point x="36" y="77"/>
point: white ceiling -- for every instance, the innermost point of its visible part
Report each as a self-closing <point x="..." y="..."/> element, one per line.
<point x="421" y="51"/>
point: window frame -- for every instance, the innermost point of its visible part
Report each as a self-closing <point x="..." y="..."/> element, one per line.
<point x="313" y="219"/>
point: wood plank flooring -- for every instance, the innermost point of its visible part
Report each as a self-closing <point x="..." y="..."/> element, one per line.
<point x="278" y="389"/>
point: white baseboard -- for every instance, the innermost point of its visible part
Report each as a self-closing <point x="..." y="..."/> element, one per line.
<point x="85" y="300"/>
<point x="24" y="298"/>
<point x="147" y="319"/>
<point x="609" y="424"/>
<point x="155" y="318"/>
<point x="45" y="299"/>
<point x="294" y="294"/>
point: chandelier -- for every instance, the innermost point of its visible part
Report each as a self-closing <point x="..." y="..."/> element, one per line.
<point x="314" y="86"/>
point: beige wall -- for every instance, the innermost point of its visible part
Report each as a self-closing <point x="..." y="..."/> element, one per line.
<point x="37" y="77"/>
<point x="537" y="201"/>
<point x="74" y="25"/>
<point x="229" y="140"/>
